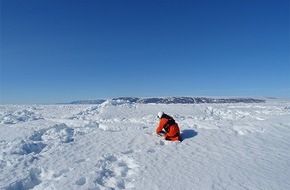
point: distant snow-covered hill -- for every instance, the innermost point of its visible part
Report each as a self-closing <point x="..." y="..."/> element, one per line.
<point x="173" y="100"/>
<point x="100" y="101"/>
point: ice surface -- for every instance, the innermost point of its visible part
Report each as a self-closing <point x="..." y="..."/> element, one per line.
<point x="112" y="145"/>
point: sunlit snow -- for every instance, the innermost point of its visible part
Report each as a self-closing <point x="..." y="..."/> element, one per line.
<point x="112" y="145"/>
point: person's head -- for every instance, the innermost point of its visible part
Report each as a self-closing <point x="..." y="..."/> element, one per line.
<point x="160" y="114"/>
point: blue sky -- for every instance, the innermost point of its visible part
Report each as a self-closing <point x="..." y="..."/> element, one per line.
<point x="64" y="50"/>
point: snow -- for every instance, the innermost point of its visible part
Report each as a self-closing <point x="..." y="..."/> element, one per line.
<point x="113" y="146"/>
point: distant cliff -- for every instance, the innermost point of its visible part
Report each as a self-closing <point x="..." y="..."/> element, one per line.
<point x="174" y="100"/>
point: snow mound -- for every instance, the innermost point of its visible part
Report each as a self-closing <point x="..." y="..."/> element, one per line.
<point x="89" y="112"/>
<point x="60" y="133"/>
<point x="10" y="117"/>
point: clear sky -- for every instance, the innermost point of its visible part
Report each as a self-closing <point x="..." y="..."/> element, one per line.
<point x="63" y="50"/>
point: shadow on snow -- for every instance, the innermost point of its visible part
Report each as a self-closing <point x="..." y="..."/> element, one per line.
<point x="188" y="133"/>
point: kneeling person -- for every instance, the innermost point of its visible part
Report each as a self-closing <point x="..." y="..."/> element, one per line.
<point x="168" y="127"/>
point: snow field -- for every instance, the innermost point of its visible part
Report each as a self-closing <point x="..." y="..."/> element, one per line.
<point x="113" y="146"/>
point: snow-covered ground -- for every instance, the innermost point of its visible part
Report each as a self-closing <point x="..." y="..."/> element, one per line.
<point x="113" y="146"/>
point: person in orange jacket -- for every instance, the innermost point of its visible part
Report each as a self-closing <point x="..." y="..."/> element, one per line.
<point x="167" y="127"/>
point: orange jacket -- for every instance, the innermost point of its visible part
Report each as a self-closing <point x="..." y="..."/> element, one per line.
<point x="161" y="125"/>
<point x="171" y="128"/>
